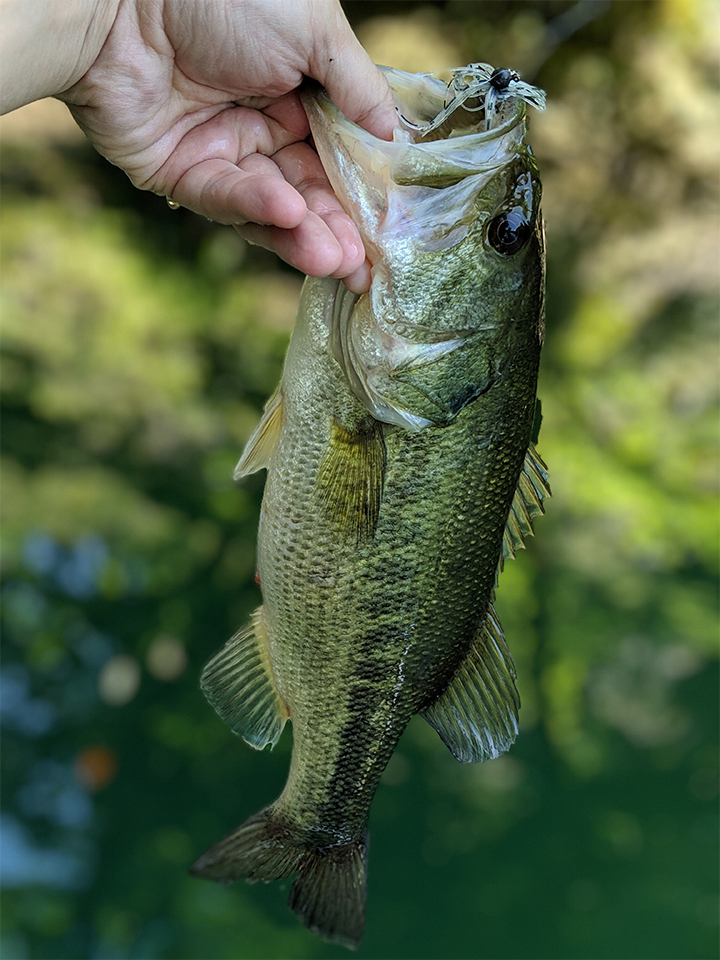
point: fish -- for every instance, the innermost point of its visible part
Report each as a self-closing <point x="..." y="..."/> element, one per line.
<point x="401" y="473"/>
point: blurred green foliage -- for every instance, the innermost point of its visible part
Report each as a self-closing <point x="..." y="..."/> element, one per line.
<point x="139" y="346"/>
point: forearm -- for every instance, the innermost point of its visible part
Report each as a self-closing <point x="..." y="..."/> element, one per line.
<point x="48" y="45"/>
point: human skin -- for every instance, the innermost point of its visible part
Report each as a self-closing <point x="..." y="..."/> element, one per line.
<point x="195" y="100"/>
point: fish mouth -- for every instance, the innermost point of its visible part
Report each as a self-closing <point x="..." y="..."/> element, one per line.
<point x="430" y="110"/>
<point x="441" y="141"/>
<point x="477" y="98"/>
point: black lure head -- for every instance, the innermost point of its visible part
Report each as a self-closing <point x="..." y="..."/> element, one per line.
<point x="502" y="77"/>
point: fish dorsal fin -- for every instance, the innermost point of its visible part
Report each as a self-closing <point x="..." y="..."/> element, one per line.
<point x="238" y="682"/>
<point x="532" y="489"/>
<point x="477" y="714"/>
<point x="264" y="438"/>
<point x="350" y="478"/>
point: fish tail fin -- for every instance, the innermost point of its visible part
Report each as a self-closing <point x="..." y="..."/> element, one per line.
<point x="329" y="892"/>
<point x="262" y="848"/>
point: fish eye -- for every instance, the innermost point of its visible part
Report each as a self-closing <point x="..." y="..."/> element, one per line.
<point x="508" y="232"/>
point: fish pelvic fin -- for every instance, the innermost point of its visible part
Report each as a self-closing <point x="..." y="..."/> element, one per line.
<point x="350" y="478"/>
<point x="531" y="491"/>
<point x="477" y="714"/>
<point x="264" y="439"/>
<point x="262" y="848"/>
<point x="329" y="892"/>
<point x="239" y="684"/>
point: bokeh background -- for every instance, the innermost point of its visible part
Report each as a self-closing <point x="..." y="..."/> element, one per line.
<point x="139" y="346"/>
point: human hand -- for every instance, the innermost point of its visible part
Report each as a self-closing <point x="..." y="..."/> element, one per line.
<point x="195" y="101"/>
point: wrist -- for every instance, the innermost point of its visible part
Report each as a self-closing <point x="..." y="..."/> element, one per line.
<point x="47" y="45"/>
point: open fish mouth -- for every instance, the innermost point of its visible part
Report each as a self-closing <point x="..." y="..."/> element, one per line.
<point x="457" y="134"/>
<point x="478" y="98"/>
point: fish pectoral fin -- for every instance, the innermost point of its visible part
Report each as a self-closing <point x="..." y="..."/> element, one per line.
<point x="350" y="478"/>
<point x="531" y="491"/>
<point x="477" y="714"/>
<point x="264" y="438"/>
<point x="239" y="684"/>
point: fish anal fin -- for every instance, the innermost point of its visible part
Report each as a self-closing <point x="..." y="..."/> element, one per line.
<point x="239" y="684"/>
<point x="264" y="438"/>
<point x="532" y="489"/>
<point x="350" y="478"/>
<point x="477" y="714"/>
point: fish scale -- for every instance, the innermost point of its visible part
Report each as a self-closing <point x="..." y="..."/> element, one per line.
<point x="400" y="475"/>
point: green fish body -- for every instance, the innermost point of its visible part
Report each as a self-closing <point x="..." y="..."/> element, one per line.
<point x="400" y="474"/>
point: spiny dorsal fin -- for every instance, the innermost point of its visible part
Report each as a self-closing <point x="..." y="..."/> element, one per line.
<point x="527" y="503"/>
<point x="350" y="478"/>
<point x="238" y="682"/>
<point x="477" y="715"/>
<point x="264" y="438"/>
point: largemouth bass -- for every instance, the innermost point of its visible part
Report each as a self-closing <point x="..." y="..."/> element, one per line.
<point x="400" y="474"/>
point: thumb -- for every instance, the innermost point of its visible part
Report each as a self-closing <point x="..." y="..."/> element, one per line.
<point x="352" y="80"/>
